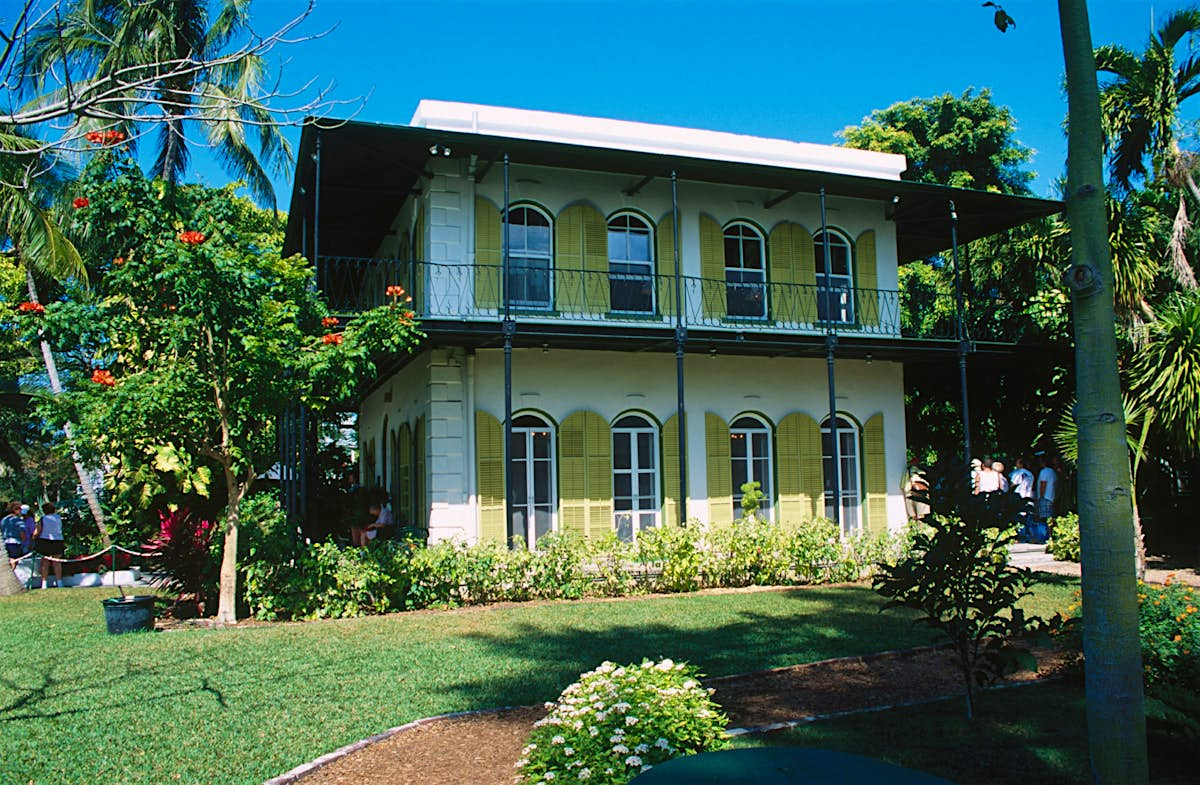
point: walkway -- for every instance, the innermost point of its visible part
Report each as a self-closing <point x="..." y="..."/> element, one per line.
<point x="1035" y="558"/>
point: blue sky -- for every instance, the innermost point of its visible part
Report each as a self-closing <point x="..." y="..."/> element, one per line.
<point x="799" y="70"/>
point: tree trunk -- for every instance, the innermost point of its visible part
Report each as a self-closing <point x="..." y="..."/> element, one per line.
<point x="9" y="585"/>
<point x="1112" y="653"/>
<point x="85" y="479"/>
<point x="227" y="591"/>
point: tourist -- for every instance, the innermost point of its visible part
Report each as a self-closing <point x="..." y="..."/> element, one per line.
<point x="12" y="531"/>
<point x="48" y="543"/>
<point x="1001" y="479"/>
<point x="988" y="479"/>
<point x="30" y="525"/>
<point x="1022" y="484"/>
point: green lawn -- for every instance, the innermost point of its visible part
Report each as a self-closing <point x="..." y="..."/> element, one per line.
<point x="243" y="705"/>
<point x="1020" y="736"/>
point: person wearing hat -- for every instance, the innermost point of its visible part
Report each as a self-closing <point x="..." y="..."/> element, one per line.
<point x="30" y="525"/>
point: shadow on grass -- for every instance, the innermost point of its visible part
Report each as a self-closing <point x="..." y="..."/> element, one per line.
<point x="543" y="659"/>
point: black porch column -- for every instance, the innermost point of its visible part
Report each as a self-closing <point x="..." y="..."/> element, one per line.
<point x="680" y="341"/>
<point x="960" y="330"/>
<point x="830" y="350"/>
<point x="507" y="328"/>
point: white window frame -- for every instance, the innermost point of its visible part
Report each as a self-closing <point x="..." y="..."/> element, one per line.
<point x="526" y="474"/>
<point x="526" y="254"/>
<point x="639" y="512"/>
<point x="737" y="267"/>
<point x="648" y="262"/>
<point x="851" y="497"/>
<point x="766" y="484"/>
<point x="842" y="283"/>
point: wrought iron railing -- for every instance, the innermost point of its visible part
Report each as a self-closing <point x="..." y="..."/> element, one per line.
<point x="541" y="293"/>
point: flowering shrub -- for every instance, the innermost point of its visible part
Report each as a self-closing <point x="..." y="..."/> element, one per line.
<point x="80" y="202"/>
<point x="330" y="321"/>
<point x="192" y="238"/>
<point x="103" y="378"/>
<point x="332" y="338"/>
<point x="28" y="307"/>
<point x="180" y="552"/>
<point x="1064" y="542"/>
<point x="618" y="721"/>
<point x="1169" y="623"/>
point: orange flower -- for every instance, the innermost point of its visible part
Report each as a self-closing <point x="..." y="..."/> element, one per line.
<point x="1177" y="638"/>
<point x="118" y="261"/>
<point x="332" y="338"/>
<point x="103" y="377"/>
<point x="105" y="137"/>
<point x="395" y="291"/>
<point x="27" y="307"/>
<point x="330" y="321"/>
<point x="192" y="238"/>
<point x="80" y="202"/>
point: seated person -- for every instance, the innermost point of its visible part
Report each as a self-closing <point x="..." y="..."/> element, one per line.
<point x="383" y="518"/>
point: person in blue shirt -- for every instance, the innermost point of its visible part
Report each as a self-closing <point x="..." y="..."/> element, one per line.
<point x="12" y="531"/>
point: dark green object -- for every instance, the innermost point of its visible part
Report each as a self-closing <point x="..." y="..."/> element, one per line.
<point x="129" y="614"/>
<point x="782" y="766"/>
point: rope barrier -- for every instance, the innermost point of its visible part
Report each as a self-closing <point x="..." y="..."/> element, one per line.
<point x="89" y="557"/>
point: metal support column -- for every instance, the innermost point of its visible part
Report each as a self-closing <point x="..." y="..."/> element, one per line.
<point x="964" y="345"/>
<point x="830" y="351"/>
<point x="680" y="341"/>
<point x="317" y="200"/>
<point x="507" y="328"/>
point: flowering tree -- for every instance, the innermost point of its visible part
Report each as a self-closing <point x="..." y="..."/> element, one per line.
<point x="198" y="334"/>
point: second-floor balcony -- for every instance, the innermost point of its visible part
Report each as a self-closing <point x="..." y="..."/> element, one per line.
<point x="637" y="298"/>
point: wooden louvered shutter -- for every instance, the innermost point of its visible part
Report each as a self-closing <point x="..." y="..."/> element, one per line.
<point x="585" y="474"/>
<point x="875" y="469"/>
<point x="712" y="269"/>
<point x="720" y="470"/>
<point x="781" y="271"/>
<point x="806" y="274"/>
<point x="581" y="261"/>
<point x="867" y="279"/>
<point x="420" y="267"/>
<point x="670" y="470"/>
<point x="402" y="494"/>
<point x="665" y="265"/>
<point x="599" y="476"/>
<point x="489" y="466"/>
<point x="489" y="254"/>
<point x="801" y="470"/>
<point x="420" y="503"/>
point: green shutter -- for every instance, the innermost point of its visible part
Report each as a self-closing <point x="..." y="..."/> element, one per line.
<point x="585" y="474"/>
<point x="402" y="490"/>
<point x="670" y="470"/>
<point x="489" y="254"/>
<point x="489" y="466"/>
<point x="806" y="274"/>
<point x="581" y="261"/>
<point x="875" y="469"/>
<point x="801" y="470"/>
<point x="782" y="263"/>
<point x="665" y="267"/>
<point x="867" y="280"/>
<point x="419" y="270"/>
<point x="712" y="269"/>
<point x="420" y="505"/>
<point x="720" y="470"/>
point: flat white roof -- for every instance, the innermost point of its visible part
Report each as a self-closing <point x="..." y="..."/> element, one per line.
<point x="651" y="138"/>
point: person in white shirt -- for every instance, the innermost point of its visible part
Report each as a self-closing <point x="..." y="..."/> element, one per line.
<point x="988" y="479"/>
<point x="1045" y="490"/>
<point x="1022" y="480"/>
<point x="48" y="542"/>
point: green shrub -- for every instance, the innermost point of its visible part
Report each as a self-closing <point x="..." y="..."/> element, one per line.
<point x="1064" y="542"/>
<point x="618" y="721"/>
<point x="675" y="550"/>
<point x="1169" y="627"/>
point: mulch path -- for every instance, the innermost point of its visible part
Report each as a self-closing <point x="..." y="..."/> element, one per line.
<point x="482" y="749"/>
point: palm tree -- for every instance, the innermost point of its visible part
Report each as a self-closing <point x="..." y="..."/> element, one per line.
<point x="1165" y="374"/>
<point x="1140" y="107"/>
<point x="41" y="247"/>
<point x="104" y="37"/>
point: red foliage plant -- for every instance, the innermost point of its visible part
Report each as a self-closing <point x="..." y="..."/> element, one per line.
<point x="181" y="553"/>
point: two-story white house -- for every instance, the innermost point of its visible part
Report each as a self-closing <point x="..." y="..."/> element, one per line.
<point x="671" y="313"/>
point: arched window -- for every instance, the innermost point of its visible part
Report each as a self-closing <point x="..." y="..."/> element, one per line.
<point x="533" y="503"/>
<point x="530" y="258"/>
<point x="835" y="281"/>
<point x="745" y="271"/>
<point x="750" y="454"/>
<point x="848" y="474"/>
<point x="630" y="264"/>
<point x="635" y="476"/>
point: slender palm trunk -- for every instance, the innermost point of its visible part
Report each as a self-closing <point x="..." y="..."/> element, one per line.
<point x="9" y="585"/>
<point x="227" y="589"/>
<point x="1113" y="670"/>
<point x="85" y="479"/>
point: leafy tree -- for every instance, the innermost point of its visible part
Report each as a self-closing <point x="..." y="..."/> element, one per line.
<point x="1116" y="719"/>
<point x="965" y="141"/>
<point x="1140" y="110"/>
<point x="198" y="338"/>
<point x="109" y="38"/>
<point x="957" y="578"/>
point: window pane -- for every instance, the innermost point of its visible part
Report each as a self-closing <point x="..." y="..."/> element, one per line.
<point x="541" y="521"/>
<point x="541" y="444"/>
<point x="517" y="444"/>
<point x="539" y="239"/>
<point x="732" y="252"/>
<point x="639" y="246"/>
<point x="645" y="485"/>
<point x="622" y="485"/>
<point x="737" y="445"/>
<point x="541" y="481"/>
<point x="645" y="442"/>
<point x="624" y="524"/>
<point x="621" y="453"/>
<point x="616" y="246"/>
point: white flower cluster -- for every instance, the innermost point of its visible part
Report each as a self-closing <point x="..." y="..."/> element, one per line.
<point x="618" y="721"/>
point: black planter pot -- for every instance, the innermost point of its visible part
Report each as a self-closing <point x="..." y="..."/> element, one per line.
<point x="129" y="614"/>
